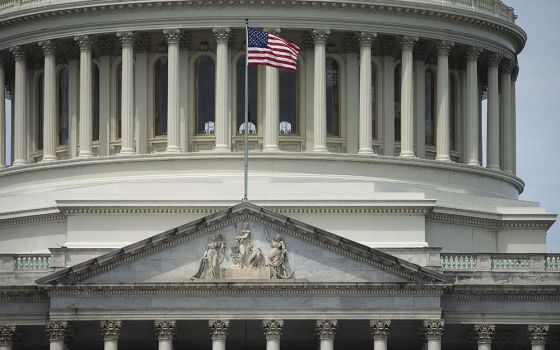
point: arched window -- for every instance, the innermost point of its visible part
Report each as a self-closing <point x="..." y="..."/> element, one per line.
<point x="95" y="101"/>
<point x="40" y="111"/>
<point x="240" y="95"/>
<point x="430" y="115"/>
<point x="398" y="75"/>
<point x="160" y="97"/>
<point x="205" y="94"/>
<point x="333" y="98"/>
<point x="119" y="100"/>
<point x="63" y="115"/>
<point x="288" y="102"/>
<point x="452" y="113"/>
<point x="373" y="102"/>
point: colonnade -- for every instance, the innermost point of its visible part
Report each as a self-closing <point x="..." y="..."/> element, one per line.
<point x="501" y="118"/>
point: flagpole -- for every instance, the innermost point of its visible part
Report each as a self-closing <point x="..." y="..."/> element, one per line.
<point x="246" y="138"/>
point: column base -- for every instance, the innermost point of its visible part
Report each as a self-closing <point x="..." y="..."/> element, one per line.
<point x="443" y="158"/>
<point x="85" y="154"/>
<point x="494" y="167"/>
<point x="173" y="149"/>
<point x="366" y="151"/>
<point x="127" y="152"/>
<point x="409" y="155"/>
<point x="474" y="162"/>
<point x="320" y="149"/>
<point x="222" y="148"/>
<point x="48" y="159"/>
<point x="271" y="148"/>
<point x="19" y="162"/>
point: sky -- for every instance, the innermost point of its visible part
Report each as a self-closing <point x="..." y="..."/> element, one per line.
<point x="538" y="107"/>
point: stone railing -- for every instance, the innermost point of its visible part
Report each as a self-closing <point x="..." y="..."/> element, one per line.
<point x="495" y="8"/>
<point x="500" y="262"/>
<point x="25" y="263"/>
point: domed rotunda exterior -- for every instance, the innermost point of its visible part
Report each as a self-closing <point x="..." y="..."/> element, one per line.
<point x="372" y="220"/>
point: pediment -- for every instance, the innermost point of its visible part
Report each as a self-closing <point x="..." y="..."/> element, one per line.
<point x="244" y="243"/>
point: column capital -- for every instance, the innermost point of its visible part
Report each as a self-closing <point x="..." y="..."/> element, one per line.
<point x="222" y="34"/>
<point x="18" y="52"/>
<point x="507" y="66"/>
<point x="56" y="330"/>
<point x="273" y="328"/>
<point x="7" y="334"/>
<point x="48" y="46"/>
<point x="434" y="328"/>
<point x="366" y="38"/>
<point x="165" y="329"/>
<point x="173" y="36"/>
<point x="444" y="47"/>
<point x="110" y="329"/>
<point x="218" y="329"/>
<point x="126" y="38"/>
<point x="84" y="42"/>
<point x="408" y="42"/>
<point x="473" y="53"/>
<point x="326" y="329"/>
<point x="538" y="334"/>
<point x="484" y="333"/>
<point x="320" y="36"/>
<point x="380" y="328"/>
<point x="494" y="59"/>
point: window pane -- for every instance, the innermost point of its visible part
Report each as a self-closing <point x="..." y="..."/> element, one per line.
<point x="373" y="102"/>
<point x="429" y="109"/>
<point x="40" y="112"/>
<point x="205" y="95"/>
<point x="398" y="103"/>
<point x="119" y="100"/>
<point x="240" y="95"/>
<point x="95" y="101"/>
<point x="288" y="102"/>
<point x="160" y="100"/>
<point x="63" y="94"/>
<point x="333" y="98"/>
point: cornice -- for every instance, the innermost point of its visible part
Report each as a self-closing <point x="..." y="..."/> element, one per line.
<point x="32" y="220"/>
<point x="497" y="223"/>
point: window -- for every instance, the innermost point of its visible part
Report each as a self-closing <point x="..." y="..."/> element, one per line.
<point x="95" y="101"/>
<point x="333" y="98"/>
<point x="429" y="130"/>
<point x="398" y="74"/>
<point x="205" y="98"/>
<point x="160" y="97"/>
<point x="40" y="112"/>
<point x="452" y="113"/>
<point x="288" y="102"/>
<point x="373" y="102"/>
<point x="63" y="115"/>
<point x="240" y="95"/>
<point x="119" y="101"/>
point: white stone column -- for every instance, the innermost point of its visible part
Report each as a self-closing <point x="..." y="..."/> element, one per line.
<point x="513" y="146"/>
<point x="443" y="117"/>
<point x="222" y="115"/>
<point x="73" y="103"/>
<point x="484" y="334"/>
<point x="507" y="122"/>
<point x="472" y="106"/>
<point x="218" y="332"/>
<point x="165" y="331"/>
<point x="326" y="330"/>
<point x="407" y="98"/>
<point x="110" y="331"/>
<point x="127" y="97"/>
<point x="86" y="97"/>
<point x="434" y="331"/>
<point x="380" y="332"/>
<point x="537" y="336"/>
<point x="173" y="37"/>
<point x="493" y="115"/>
<point x="7" y="333"/>
<point x="49" y="101"/>
<point x="320" y="37"/>
<point x="56" y="330"/>
<point x="271" y="106"/>
<point x="366" y="107"/>
<point x="104" y="102"/>
<point x="3" y="144"/>
<point x="20" y="109"/>
<point x="420" y="56"/>
<point x="388" y="134"/>
<point x="273" y="333"/>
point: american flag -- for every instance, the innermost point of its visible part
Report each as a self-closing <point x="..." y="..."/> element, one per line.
<point x="270" y="50"/>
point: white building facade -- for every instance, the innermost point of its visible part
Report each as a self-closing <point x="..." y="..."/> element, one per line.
<point x="372" y="220"/>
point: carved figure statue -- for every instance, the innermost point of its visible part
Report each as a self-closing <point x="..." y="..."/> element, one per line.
<point x="245" y="244"/>
<point x="278" y="259"/>
<point x="211" y="261"/>
<point x="256" y="259"/>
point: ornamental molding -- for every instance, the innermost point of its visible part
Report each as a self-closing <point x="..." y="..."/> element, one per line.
<point x="498" y="223"/>
<point x="173" y="36"/>
<point x="165" y="329"/>
<point x="444" y="47"/>
<point x="56" y="330"/>
<point x="320" y="36"/>
<point x="502" y="293"/>
<point x="222" y="34"/>
<point x="48" y="47"/>
<point x="380" y="329"/>
<point x="32" y="220"/>
<point x="326" y="329"/>
<point x="7" y="333"/>
<point x="18" y="52"/>
<point x="434" y="329"/>
<point x="538" y="334"/>
<point x="84" y="41"/>
<point x="126" y="38"/>
<point x="110" y="330"/>
<point x="473" y="53"/>
<point x="218" y="329"/>
<point x="494" y="59"/>
<point x="484" y="333"/>
<point x="366" y="39"/>
<point x="407" y="42"/>
<point x="273" y="329"/>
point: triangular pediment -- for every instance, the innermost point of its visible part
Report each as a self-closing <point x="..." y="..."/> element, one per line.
<point x="244" y="243"/>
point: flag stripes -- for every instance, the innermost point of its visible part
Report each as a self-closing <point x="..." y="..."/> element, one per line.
<point x="270" y="50"/>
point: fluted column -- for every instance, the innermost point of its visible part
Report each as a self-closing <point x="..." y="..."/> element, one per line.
<point x="86" y="106"/>
<point x="165" y="331"/>
<point x="484" y="334"/>
<point x="513" y="146"/>
<point x="320" y="37"/>
<point x="366" y="107"/>
<point x="127" y="93"/>
<point x="380" y="332"/>
<point x="472" y="106"/>
<point x="49" y="101"/>
<point x="3" y="144"/>
<point x="407" y="98"/>
<point x="537" y="336"/>
<point x="273" y="333"/>
<point x="110" y="331"/>
<point x="443" y="122"/>
<point x="173" y="37"/>
<point x="507" y="123"/>
<point x="271" y="106"/>
<point x="20" y="110"/>
<point x="218" y="331"/>
<point x="493" y="115"/>
<point x="326" y="330"/>
<point x="222" y="36"/>
<point x="7" y="333"/>
<point x="56" y="330"/>
<point x="434" y="331"/>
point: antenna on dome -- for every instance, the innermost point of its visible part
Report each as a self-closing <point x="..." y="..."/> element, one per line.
<point x="246" y="124"/>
